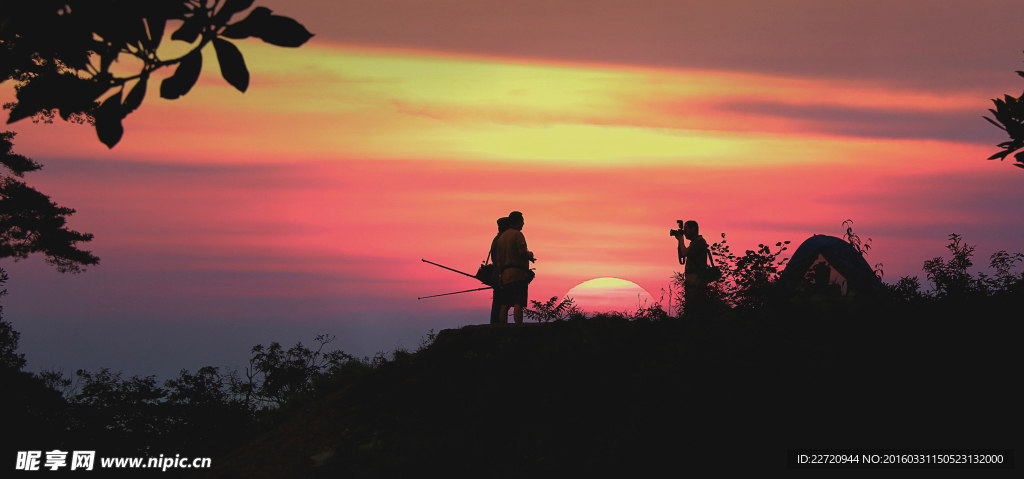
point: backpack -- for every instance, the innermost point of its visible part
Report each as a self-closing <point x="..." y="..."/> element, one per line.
<point x="712" y="273"/>
<point x="485" y="273"/>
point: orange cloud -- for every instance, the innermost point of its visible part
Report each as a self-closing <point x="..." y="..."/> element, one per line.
<point x="342" y="167"/>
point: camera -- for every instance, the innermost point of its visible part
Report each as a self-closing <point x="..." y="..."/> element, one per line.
<point x="679" y="231"/>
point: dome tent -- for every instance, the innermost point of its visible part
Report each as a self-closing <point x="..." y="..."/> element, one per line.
<point x="840" y="255"/>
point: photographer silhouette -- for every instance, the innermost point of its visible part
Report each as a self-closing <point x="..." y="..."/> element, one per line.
<point x="694" y="257"/>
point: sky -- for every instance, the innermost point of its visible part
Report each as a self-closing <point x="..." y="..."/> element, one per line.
<point x="405" y="128"/>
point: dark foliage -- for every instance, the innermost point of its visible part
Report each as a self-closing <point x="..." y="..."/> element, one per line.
<point x="907" y="288"/>
<point x="566" y="310"/>
<point x="206" y="414"/>
<point x="746" y="281"/>
<point x="60" y="53"/>
<point x="32" y="409"/>
<point x="120" y="414"/>
<point x="553" y="310"/>
<point x="1009" y="117"/>
<point x="577" y="394"/>
<point x="31" y="223"/>
<point x="1005" y="281"/>
<point x="8" y="345"/>
<point x="607" y="396"/>
<point x="862" y="247"/>
<point x="950" y="278"/>
<point x="275" y="375"/>
<point x="9" y="358"/>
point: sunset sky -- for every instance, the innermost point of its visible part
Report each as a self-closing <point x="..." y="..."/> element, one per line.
<point x="405" y="128"/>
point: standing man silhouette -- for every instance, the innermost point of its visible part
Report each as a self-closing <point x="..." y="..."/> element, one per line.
<point x="496" y="298"/>
<point x="696" y="261"/>
<point x="512" y="256"/>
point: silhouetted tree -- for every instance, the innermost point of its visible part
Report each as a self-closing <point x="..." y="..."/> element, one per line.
<point x="9" y="359"/>
<point x="34" y="411"/>
<point x="274" y="375"/>
<point x="206" y="414"/>
<point x="61" y="52"/>
<point x="950" y="278"/>
<point x="1004" y="263"/>
<point x="125" y="404"/>
<point x="31" y="223"/>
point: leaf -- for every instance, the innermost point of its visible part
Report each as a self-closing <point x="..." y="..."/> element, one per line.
<point x="108" y="120"/>
<point x="1000" y="155"/>
<point x="1001" y="127"/>
<point x="232" y="65"/>
<point x="189" y="30"/>
<point x="249" y="25"/>
<point x="283" y="32"/>
<point x="135" y="97"/>
<point x="184" y="77"/>
<point x="273" y="29"/>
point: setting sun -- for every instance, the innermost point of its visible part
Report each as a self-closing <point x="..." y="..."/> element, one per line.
<point x="609" y="294"/>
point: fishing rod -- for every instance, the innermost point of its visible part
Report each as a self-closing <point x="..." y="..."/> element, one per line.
<point x="457" y="271"/>
<point x="457" y="292"/>
<point x="447" y="268"/>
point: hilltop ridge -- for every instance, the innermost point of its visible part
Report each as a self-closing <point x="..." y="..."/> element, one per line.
<point x="606" y="394"/>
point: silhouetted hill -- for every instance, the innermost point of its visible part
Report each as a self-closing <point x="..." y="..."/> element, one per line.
<point x="605" y="395"/>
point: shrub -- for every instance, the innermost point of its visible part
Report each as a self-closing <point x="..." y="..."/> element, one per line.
<point x="554" y="310"/>
<point x="747" y="281"/>
<point x="950" y="278"/>
<point x="908" y="288"/>
<point x="274" y="374"/>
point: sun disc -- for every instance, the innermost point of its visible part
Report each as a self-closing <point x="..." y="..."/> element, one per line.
<point x="608" y="294"/>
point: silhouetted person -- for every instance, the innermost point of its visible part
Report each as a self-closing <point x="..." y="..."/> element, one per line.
<point x="514" y="260"/>
<point x="496" y="298"/>
<point x="695" y="257"/>
<point x="821" y="275"/>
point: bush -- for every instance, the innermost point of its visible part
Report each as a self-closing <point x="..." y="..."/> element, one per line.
<point x="908" y="288"/>
<point x="950" y="278"/>
<point x="554" y="310"/>
<point x="274" y="375"/>
<point x="747" y="281"/>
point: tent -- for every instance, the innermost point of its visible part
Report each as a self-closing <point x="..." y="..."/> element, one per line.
<point x="840" y="255"/>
